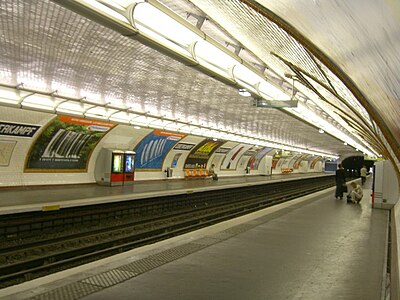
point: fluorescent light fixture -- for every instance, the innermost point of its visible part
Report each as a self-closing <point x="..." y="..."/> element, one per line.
<point x="120" y="116"/>
<point x="100" y="112"/>
<point x="77" y="107"/>
<point x="185" y="129"/>
<point x="309" y="116"/>
<point x="9" y="96"/>
<point x="206" y="132"/>
<point x="172" y="127"/>
<point x="269" y="91"/>
<point x="105" y="10"/>
<point x="157" y="23"/>
<point x="214" y="58"/>
<point x="336" y="116"/>
<point x="163" y="28"/>
<point x="196" y="130"/>
<point x="244" y="75"/>
<point x="118" y="5"/>
<point x="73" y="107"/>
<point x="244" y="93"/>
<point x="153" y="122"/>
<point x="41" y="102"/>
<point x="156" y="123"/>
<point x="143" y="121"/>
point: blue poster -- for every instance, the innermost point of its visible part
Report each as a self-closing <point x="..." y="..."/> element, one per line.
<point x="151" y="151"/>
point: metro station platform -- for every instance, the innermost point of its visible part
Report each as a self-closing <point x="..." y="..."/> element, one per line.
<point x="313" y="247"/>
<point x="38" y="198"/>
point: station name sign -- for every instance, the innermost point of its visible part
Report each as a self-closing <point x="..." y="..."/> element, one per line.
<point x="223" y="150"/>
<point x="15" y="129"/>
<point x="184" y="146"/>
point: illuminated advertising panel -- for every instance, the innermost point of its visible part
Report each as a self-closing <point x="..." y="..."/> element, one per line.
<point x="128" y="163"/>
<point x="117" y="163"/>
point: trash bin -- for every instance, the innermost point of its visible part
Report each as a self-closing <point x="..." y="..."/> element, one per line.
<point x="168" y="171"/>
<point x="247" y="170"/>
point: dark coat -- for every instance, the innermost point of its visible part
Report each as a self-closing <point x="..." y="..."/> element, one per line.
<point x="340" y="176"/>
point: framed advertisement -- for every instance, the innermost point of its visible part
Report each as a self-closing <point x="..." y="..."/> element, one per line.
<point x="255" y="159"/>
<point x="66" y="144"/>
<point x="151" y="151"/>
<point x="231" y="158"/>
<point x="200" y="155"/>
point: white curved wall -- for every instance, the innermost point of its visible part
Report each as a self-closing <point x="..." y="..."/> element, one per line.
<point x="121" y="137"/>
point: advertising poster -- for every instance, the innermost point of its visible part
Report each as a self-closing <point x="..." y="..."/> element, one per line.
<point x="285" y="162"/>
<point x="292" y="160"/>
<point x="66" y="145"/>
<point x="232" y="157"/>
<point x="151" y="151"/>
<point x="255" y="159"/>
<point x="274" y="163"/>
<point x="279" y="163"/>
<point x="200" y="155"/>
<point x="296" y="164"/>
<point x="314" y="161"/>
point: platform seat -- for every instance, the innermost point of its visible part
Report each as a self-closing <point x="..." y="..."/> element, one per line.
<point x="196" y="173"/>
<point x="286" y="170"/>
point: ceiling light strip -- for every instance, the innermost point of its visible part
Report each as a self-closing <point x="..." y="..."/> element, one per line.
<point x="310" y="117"/>
<point x="11" y="96"/>
<point x="155" y="22"/>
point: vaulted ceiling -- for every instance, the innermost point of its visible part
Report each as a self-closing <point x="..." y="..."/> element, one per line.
<point x="342" y="55"/>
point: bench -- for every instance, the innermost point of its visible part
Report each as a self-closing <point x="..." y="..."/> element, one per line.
<point x="196" y="173"/>
<point x="286" y="170"/>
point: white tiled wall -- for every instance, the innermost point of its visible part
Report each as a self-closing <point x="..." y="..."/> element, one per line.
<point x="12" y="174"/>
<point x="121" y="137"/>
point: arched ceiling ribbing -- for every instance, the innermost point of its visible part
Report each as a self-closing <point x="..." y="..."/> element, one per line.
<point x="56" y="46"/>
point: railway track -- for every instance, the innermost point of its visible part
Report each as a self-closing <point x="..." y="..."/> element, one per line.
<point x="29" y="249"/>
